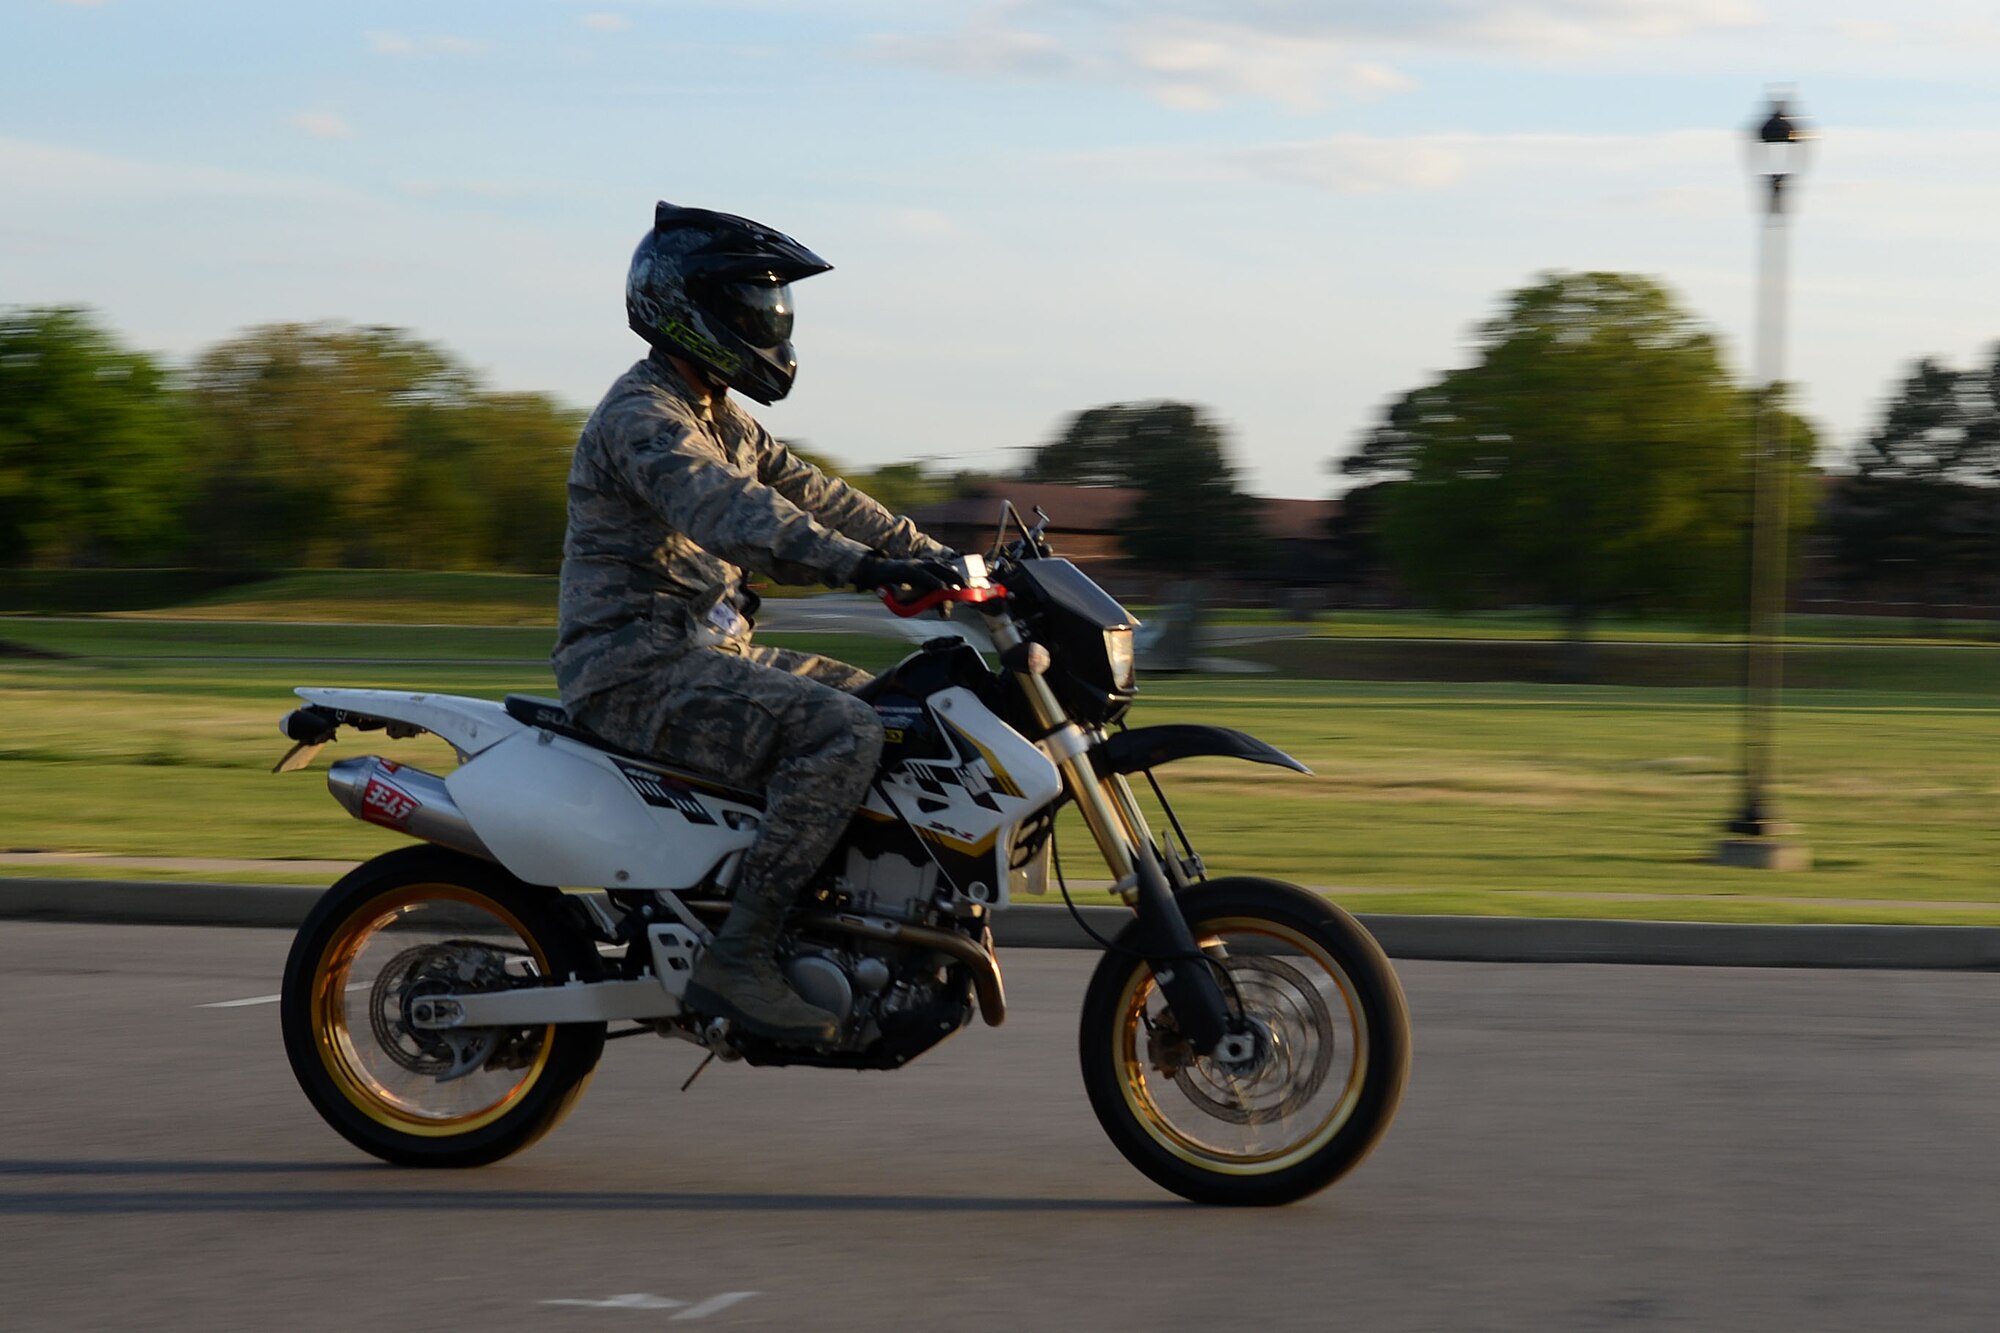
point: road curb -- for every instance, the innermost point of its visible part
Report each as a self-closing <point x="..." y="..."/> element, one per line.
<point x="1481" y="939"/>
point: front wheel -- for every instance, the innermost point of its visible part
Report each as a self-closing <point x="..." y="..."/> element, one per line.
<point x="1307" y="1086"/>
<point x="424" y="921"/>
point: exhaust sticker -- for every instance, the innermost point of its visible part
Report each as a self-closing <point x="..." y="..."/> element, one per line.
<point x="388" y="805"/>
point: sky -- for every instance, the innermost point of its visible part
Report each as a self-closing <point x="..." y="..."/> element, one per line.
<point x="1290" y="211"/>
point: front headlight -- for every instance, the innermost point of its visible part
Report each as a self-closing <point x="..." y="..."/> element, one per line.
<point x="1118" y="651"/>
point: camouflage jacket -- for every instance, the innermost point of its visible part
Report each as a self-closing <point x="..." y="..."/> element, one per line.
<point x="670" y="502"/>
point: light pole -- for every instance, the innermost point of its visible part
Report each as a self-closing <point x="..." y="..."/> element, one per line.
<point x="1777" y="147"/>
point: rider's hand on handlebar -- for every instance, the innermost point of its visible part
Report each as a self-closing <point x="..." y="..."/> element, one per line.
<point x="908" y="579"/>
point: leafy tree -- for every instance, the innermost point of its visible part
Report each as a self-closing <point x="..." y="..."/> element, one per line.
<point x="93" y="444"/>
<point x="1596" y="455"/>
<point x="526" y="440"/>
<point x="312" y="434"/>
<point x="331" y="445"/>
<point x="1923" y="510"/>
<point x="1356" y="558"/>
<point x="1191" y="515"/>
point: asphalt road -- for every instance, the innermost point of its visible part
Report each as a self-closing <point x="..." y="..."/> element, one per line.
<point x="1580" y="1148"/>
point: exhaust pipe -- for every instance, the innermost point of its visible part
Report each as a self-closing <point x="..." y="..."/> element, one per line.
<point x="408" y="800"/>
<point x="986" y="984"/>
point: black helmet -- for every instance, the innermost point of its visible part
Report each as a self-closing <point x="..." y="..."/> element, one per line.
<point x="712" y="288"/>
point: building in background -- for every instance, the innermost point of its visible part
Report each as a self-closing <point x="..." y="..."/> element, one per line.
<point x="1084" y="526"/>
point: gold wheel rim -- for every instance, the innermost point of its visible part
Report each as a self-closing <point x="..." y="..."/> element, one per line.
<point x="337" y="1047"/>
<point x="1137" y="1081"/>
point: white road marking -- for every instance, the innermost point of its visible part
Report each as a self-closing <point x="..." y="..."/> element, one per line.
<point x="238" y="1004"/>
<point x="262" y="999"/>
<point x="639" y="1300"/>
<point x="712" y="1305"/>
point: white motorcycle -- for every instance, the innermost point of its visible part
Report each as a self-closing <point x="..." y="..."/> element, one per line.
<point x="1243" y="1041"/>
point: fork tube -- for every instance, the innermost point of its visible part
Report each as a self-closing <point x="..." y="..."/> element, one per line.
<point x="1115" y="820"/>
<point x="1068" y="746"/>
<point x="1071" y="752"/>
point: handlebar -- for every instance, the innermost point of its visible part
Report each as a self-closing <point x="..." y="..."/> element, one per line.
<point x="938" y="597"/>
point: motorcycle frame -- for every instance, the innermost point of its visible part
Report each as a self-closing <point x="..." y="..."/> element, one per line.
<point x="1094" y="768"/>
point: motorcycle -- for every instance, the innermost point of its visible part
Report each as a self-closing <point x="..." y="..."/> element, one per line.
<point x="1243" y="1041"/>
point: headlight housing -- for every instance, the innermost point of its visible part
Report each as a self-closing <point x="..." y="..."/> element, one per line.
<point x="1088" y="635"/>
<point x="1118" y="651"/>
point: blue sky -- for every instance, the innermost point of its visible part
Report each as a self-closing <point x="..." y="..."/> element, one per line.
<point x="1289" y="210"/>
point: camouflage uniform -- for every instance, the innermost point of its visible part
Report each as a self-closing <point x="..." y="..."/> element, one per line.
<point x="670" y="501"/>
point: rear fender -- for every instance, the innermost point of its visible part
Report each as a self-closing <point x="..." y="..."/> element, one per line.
<point x="469" y="726"/>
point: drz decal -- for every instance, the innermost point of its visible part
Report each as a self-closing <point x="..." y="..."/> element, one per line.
<point x="661" y="791"/>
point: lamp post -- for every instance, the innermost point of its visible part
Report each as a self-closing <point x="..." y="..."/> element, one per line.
<point x="1777" y="149"/>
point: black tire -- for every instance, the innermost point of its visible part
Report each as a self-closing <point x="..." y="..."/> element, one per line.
<point x="1287" y="950"/>
<point x="387" y="911"/>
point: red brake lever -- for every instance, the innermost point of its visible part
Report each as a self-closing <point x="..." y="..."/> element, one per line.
<point x="939" y="597"/>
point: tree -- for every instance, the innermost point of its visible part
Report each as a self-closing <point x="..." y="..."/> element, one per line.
<point x="1923" y="510"/>
<point x="1596" y="455"/>
<point x="93" y="444"/>
<point x="332" y="445"/>
<point x="1191" y="516"/>
<point x="319" y="438"/>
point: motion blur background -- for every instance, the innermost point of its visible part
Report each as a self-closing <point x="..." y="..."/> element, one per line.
<point x="1408" y="341"/>
<point x="1391" y="357"/>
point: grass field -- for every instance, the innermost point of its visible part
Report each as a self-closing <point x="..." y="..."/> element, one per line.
<point x="155" y="739"/>
<point x="370" y="596"/>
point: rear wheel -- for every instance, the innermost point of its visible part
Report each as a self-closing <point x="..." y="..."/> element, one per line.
<point x="1303" y="1090"/>
<point x="418" y="922"/>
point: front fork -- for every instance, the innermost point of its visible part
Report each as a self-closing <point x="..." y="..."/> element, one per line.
<point x="1114" y="818"/>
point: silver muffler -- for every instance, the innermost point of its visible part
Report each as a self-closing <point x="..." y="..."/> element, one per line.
<point x="381" y="791"/>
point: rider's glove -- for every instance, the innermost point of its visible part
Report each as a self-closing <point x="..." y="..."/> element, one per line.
<point x="910" y="579"/>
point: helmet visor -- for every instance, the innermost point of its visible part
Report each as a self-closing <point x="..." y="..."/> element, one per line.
<point x="760" y="313"/>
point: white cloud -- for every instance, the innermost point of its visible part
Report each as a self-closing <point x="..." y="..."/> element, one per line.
<point x="1198" y="54"/>
<point x="322" y="125"/>
<point x="402" y="46"/>
<point x="1871" y="32"/>
<point x="384" y="42"/>
<point x="606" y="22"/>
<point x="1185" y="62"/>
<point x="50" y="174"/>
<point x="1360" y="163"/>
<point x="986" y="48"/>
<point x="1200" y="65"/>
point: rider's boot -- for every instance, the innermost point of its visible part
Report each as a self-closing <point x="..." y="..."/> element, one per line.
<point x="738" y="977"/>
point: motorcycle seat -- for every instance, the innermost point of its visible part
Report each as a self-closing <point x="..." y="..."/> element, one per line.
<point x="550" y="715"/>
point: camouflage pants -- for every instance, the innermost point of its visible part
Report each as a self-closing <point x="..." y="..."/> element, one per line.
<point x="771" y="720"/>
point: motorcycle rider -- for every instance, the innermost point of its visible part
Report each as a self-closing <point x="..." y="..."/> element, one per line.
<point x="674" y="493"/>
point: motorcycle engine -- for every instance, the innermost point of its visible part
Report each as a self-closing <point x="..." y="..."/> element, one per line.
<point x="889" y="883"/>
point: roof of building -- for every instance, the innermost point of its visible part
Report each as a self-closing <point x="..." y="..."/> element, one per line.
<point x="1296" y="520"/>
<point x="1104" y="509"/>
<point x="1070" y="508"/>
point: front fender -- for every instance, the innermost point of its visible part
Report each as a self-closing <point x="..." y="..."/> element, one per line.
<point x="1142" y="748"/>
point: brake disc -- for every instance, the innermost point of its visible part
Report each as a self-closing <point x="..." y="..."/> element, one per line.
<point x="1294" y="1047"/>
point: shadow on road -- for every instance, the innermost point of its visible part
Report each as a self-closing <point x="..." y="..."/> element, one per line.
<point x="280" y="1200"/>
<point x="51" y="1167"/>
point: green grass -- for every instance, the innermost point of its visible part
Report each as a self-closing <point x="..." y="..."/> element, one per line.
<point x="1451" y="797"/>
<point x="1888" y="666"/>
<point x="385" y="596"/>
<point x="1542" y="626"/>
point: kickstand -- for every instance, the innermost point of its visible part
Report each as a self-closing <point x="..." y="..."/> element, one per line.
<point x="697" y="1071"/>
